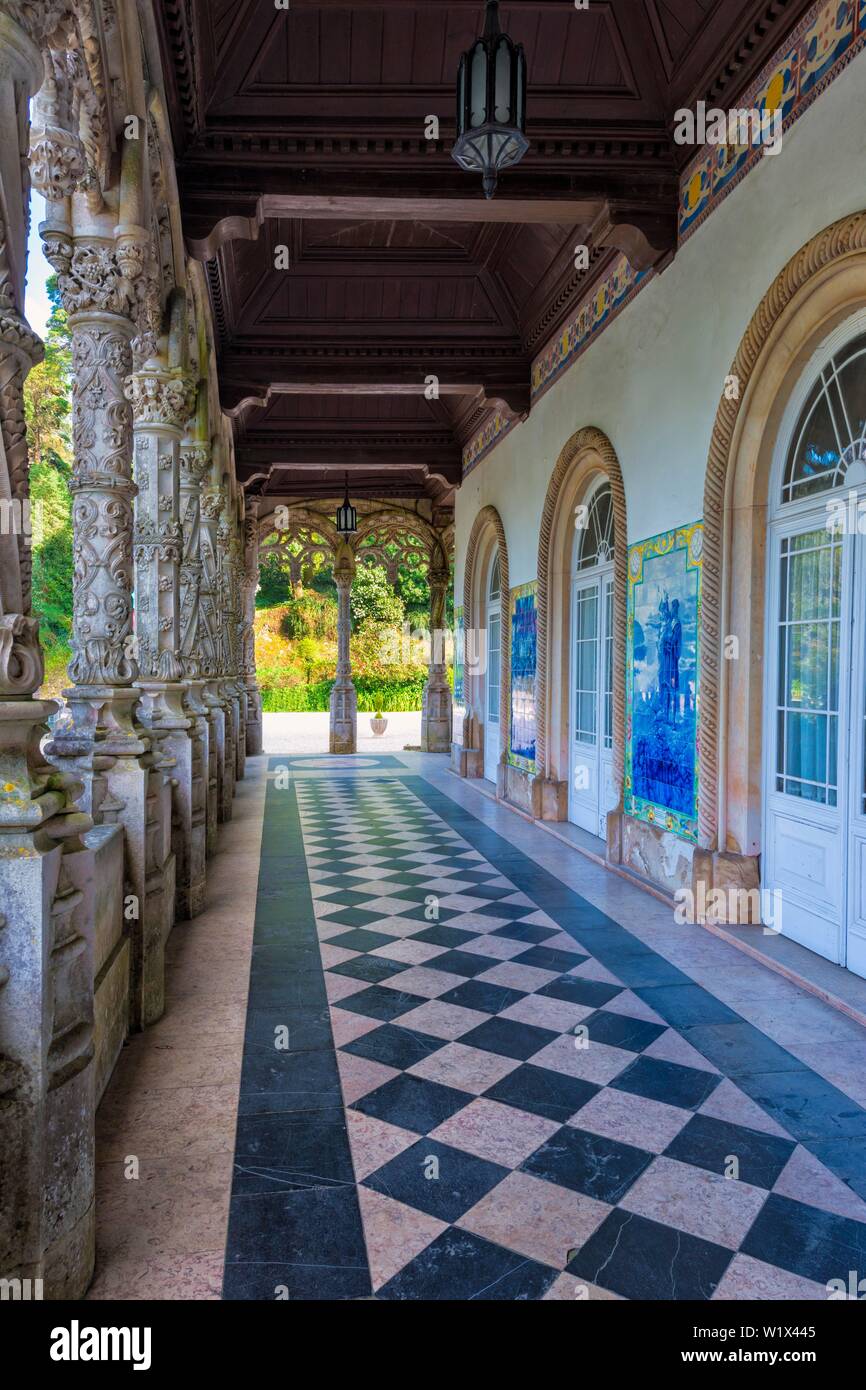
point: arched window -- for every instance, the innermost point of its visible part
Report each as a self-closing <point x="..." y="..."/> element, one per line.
<point x="596" y="535"/>
<point x="495" y="591"/>
<point x="830" y="434"/>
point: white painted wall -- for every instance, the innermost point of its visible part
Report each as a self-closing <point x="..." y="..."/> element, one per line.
<point x="653" y="379"/>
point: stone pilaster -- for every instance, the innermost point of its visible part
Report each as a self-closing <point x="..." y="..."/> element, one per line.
<point x="162" y="401"/>
<point x="46" y="954"/>
<point x="124" y="780"/>
<point x="436" y="709"/>
<point x="248" y="633"/>
<point x="344" y="699"/>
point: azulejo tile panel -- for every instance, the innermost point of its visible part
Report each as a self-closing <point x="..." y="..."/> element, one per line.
<point x="663" y="680"/>
<point x="524" y="673"/>
<point x="459" y="656"/>
<point x="821" y="47"/>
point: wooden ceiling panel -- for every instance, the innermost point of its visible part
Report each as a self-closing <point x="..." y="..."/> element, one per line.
<point x="305" y="128"/>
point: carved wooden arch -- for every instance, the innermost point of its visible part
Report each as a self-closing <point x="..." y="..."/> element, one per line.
<point x="821" y="285"/>
<point x="487" y="531"/>
<point x="588" y="454"/>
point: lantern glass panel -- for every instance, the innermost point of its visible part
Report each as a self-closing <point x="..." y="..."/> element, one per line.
<point x="478" y="111"/>
<point x="502" y="109"/>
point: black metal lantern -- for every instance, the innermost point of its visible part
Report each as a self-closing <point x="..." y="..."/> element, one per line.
<point x="491" y="104"/>
<point x="347" y="517"/>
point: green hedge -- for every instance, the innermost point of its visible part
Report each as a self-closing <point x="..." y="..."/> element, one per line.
<point x="389" y="696"/>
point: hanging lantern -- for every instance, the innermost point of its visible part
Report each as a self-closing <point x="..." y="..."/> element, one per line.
<point x="491" y="104"/>
<point x="347" y="517"/>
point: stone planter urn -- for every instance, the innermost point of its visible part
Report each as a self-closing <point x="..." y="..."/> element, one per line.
<point x="378" y="724"/>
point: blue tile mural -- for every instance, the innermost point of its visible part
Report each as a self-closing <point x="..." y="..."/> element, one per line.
<point x="458" y="656"/>
<point x="524" y="665"/>
<point x="663" y="680"/>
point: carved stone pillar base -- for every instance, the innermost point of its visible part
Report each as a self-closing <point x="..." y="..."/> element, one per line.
<point x="216" y="720"/>
<point x="726" y="888"/>
<point x="467" y="762"/>
<point x="163" y="712"/>
<point x="436" y="713"/>
<point x="46" y="1019"/>
<point x="255" y="728"/>
<point x="344" y="717"/>
<point x="127" y="783"/>
<point x="467" y="757"/>
<point x="550" y="798"/>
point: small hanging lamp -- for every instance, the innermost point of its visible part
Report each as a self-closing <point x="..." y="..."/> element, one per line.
<point x="347" y="517"/>
<point x="491" y="104"/>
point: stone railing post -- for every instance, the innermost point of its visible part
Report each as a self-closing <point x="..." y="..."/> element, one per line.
<point x="344" y="699"/>
<point x="47" y="1083"/>
<point x="162" y="401"/>
<point x="250" y="585"/>
<point x="436" y="715"/>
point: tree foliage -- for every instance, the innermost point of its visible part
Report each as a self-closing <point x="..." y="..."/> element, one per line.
<point x="48" y="414"/>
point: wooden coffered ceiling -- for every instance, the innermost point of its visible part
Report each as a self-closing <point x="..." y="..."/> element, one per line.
<point x="303" y="129"/>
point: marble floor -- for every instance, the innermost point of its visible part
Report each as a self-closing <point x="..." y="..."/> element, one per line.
<point x="417" y="1048"/>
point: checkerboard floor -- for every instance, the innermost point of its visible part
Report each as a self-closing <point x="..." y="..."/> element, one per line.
<point x="522" y="1126"/>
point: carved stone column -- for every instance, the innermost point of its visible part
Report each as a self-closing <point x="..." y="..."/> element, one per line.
<point x="214" y="599"/>
<point x="237" y="682"/>
<point x="436" y="709"/>
<point x="344" y="699"/>
<point x="46" y="946"/>
<point x="228" y="684"/>
<point x="208" y="644"/>
<point x="248" y="632"/>
<point x="162" y="401"/>
<point x="124" y="781"/>
<point x="194" y="464"/>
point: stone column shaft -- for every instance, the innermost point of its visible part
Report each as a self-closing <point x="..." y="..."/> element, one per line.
<point x="213" y="600"/>
<point x="344" y="699"/>
<point x="250" y="585"/>
<point x="437" y="710"/>
<point x="162" y="401"/>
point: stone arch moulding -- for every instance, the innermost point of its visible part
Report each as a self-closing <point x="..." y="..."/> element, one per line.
<point x="487" y="534"/>
<point x="587" y="457"/>
<point x="821" y="286"/>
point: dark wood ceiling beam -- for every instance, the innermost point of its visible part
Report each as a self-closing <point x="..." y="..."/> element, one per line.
<point x="640" y="222"/>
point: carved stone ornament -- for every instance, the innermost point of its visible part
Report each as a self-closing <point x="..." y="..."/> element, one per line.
<point x="159" y="398"/>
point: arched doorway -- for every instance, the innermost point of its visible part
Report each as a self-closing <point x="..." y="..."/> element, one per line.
<point x="487" y="651"/>
<point x="492" y="669"/>
<point x="582" y="583"/>
<point x="592" y="789"/>
<point x="808" y="317"/>
<point x="814" y="851"/>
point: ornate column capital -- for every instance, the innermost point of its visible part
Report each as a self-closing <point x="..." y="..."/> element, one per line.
<point x="97" y="276"/>
<point x="195" y="461"/>
<point x="160" y="398"/>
